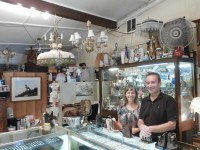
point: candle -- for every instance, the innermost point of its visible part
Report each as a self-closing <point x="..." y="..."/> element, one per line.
<point x="45" y="37"/>
<point x="51" y="35"/>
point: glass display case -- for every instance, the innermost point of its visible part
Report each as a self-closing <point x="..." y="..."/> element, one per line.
<point x="177" y="80"/>
<point x="84" y="138"/>
<point x="109" y="139"/>
<point x="36" y="138"/>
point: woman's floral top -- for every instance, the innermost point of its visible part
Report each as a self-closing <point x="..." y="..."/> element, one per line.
<point x="128" y="117"/>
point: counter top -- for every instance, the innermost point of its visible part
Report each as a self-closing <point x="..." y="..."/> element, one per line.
<point x="73" y="138"/>
<point x="114" y="140"/>
<point x="111" y="139"/>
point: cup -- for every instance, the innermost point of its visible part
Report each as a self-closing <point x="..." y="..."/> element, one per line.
<point x="109" y="123"/>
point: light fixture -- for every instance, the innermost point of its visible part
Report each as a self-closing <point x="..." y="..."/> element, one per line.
<point x="7" y="54"/>
<point x="19" y="9"/>
<point x="149" y="25"/>
<point x="113" y="69"/>
<point x="74" y="38"/>
<point x="55" y="57"/>
<point x="102" y="40"/>
<point x="89" y="43"/>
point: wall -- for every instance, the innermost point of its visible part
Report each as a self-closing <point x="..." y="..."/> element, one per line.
<point x="165" y="11"/>
<point x="23" y="108"/>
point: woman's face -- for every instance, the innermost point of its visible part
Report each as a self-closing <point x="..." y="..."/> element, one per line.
<point x="130" y="95"/>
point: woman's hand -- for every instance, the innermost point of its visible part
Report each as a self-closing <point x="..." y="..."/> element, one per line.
<point x="140" y="93"/>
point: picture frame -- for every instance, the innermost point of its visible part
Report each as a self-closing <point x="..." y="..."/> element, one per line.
<point x="84" y="89"/>
<point x="26" y="88"/>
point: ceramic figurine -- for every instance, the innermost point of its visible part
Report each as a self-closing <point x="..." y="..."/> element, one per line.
<point x="126" y="55"/>
<point x="141" y="54"/>
<point x="146" y="58"/>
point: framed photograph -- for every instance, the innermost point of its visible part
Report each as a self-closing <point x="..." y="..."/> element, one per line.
<point x="26" y="88"/>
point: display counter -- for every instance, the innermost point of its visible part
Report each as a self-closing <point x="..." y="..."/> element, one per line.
<point x="114" y="139"/>
<point x="110" y="139"/>
<point x="36" y="138"/>
<point x="85" y="138"/>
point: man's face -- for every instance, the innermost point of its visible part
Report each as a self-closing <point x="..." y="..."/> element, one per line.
<point x="152" y="84"/>
<point x="83" y="67"/>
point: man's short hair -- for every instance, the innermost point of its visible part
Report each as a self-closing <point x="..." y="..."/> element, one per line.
<point x="154" y="73"/>
<point x="83" y="64"/>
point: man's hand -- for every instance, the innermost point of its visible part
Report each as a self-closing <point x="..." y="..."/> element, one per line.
<point x="144" y="131"/>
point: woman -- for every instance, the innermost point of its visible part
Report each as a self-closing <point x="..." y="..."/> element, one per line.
<point x="128" y="114"/>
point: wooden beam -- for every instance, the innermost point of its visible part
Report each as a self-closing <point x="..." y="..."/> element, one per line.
<point x="65" y="12"/>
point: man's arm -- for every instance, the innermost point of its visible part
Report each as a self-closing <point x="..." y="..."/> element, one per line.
<point x="168" y="126"/>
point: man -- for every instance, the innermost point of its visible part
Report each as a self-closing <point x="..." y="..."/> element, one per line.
<point x="158" y="112"/>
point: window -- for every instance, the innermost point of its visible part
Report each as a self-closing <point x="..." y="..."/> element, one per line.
<point x="131" y="25"/>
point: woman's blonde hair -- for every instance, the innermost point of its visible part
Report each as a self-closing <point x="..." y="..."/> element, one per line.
<point x="128" y="87"/>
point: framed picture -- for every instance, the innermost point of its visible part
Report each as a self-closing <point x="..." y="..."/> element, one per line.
<point x="26" y="88"/>
<point x="84" y="89"/>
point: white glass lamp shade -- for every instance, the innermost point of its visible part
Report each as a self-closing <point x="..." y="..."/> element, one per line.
<point x="77" y="36"/>
<point x="102" y="35"/>
<point x="90" y="33"/>
<point x="72" y="38"/>
<point x="55" y="57"/>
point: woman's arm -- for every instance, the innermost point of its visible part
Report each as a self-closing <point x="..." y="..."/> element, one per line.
<point x="135" y="130"/>
<point x="118" y="124"/>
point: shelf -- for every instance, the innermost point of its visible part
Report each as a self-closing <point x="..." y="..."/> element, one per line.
<point x="178" y="83"/>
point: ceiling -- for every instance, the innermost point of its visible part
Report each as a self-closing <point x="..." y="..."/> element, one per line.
<point x="20" y="31"/>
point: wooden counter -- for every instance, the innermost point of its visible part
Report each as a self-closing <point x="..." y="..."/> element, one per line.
<point x="196" y="140"/>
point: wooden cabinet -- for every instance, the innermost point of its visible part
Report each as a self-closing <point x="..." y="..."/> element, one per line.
<point x="197" y="22"/>
<point x="196" y="141"/>
<point x="3" y="119"/>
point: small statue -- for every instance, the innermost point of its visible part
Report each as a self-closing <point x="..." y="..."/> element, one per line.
<point x="85" y="109"/>
<point x="152" y="45"/>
